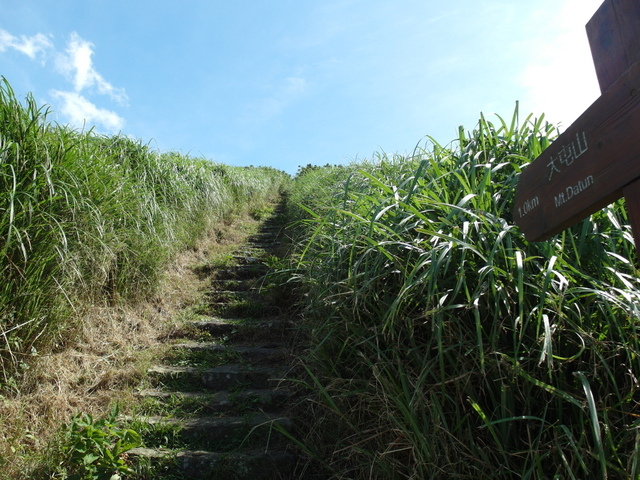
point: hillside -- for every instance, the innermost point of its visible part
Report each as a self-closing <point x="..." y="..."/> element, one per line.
<point x="425" y="336"/>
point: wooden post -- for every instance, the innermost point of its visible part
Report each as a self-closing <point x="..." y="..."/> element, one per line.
<point x="614" y="38"/>
<point x="632" y="201"/>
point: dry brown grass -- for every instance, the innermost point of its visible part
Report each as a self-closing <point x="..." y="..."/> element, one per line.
<point x="106" y="360"/>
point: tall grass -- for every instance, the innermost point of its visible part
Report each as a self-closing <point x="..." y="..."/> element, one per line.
<point x="447" y="346"/>
<point x="92" y="218"/>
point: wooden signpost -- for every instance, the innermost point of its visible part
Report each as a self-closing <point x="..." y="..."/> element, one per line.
<point x="596" y="160"/>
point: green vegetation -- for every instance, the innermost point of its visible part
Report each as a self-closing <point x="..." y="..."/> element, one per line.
<point x="444" y="345"/>
<point x="89" y="225"/>
<point x="88" y="216"/>
<point x="94" y="448"/>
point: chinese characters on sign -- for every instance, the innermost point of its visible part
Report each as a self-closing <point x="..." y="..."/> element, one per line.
<point x="568" y="154"/>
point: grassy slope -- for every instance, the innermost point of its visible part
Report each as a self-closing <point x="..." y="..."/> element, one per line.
<point x="89" y="225"/>
<point x="445" y="344"/>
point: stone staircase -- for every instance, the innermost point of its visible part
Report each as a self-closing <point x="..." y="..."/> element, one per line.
<point x="218" y="403"/>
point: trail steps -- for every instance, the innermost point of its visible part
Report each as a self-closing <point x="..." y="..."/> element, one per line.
<point x="224" y="391"/>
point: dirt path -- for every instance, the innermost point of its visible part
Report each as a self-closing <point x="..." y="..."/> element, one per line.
<point x="216" y="406"/>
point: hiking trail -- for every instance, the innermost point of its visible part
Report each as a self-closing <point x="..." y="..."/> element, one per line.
<point x="223" y="391"/>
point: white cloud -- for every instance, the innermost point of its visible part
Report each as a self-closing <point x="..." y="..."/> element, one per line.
<point x="295" y="86"/>
<point x="77" y="65"/>
<point x="290" y="90"/>
<point x="81" y="112"/>
<point x="38" y="44"/>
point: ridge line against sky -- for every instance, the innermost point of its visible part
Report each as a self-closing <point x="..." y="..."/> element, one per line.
<point x="284" y="85"/>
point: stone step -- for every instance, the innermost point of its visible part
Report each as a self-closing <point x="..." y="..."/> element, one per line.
<point x="226" y="296"/>
<point x="269" y="352"/>
<point x="220" y="326"/>
<point x="223" y="401"/>
<point x="246" y="251"/>
<point x="270" y="227"/>
<point x="219" y="433"/>
<point x="264" y="245"/>
<point x="247" y="260"/>
<point x="247" y="296"/>
<point x="217" y="326"/>
<point x="232" y="285"/>
<point x="250" y="307"/>
<point x="268" y="230"/>
<point x="261" y="240"/>
<point x="246" y="465"/>
<point x="224" y="377"/>
<point x="242" y="272"/>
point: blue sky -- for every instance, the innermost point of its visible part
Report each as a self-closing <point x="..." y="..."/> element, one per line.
<point x="285" y="83"/>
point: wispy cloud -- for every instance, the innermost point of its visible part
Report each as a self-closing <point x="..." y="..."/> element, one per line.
<point x="81" y="112"/>
<point x="76" y="63"/>
<point x="288" y="91"/>
<point x="38" y="45"/>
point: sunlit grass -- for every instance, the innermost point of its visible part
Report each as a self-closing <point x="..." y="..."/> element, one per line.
<point x="446" y="345"/>
<point x="89" y="226"/>
<point x="92" y="218"/>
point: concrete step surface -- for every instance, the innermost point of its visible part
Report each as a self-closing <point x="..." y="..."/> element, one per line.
<point x="222" y="377"/>
<point x="229" y="420"/>
<point x="224" y="400"/>
<point x="269" y="352"/>
<point x="254" y="464"/>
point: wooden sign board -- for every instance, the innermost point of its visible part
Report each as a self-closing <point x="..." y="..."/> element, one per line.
<point x="597" y="159"/>
<point x="587" y="167"/>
